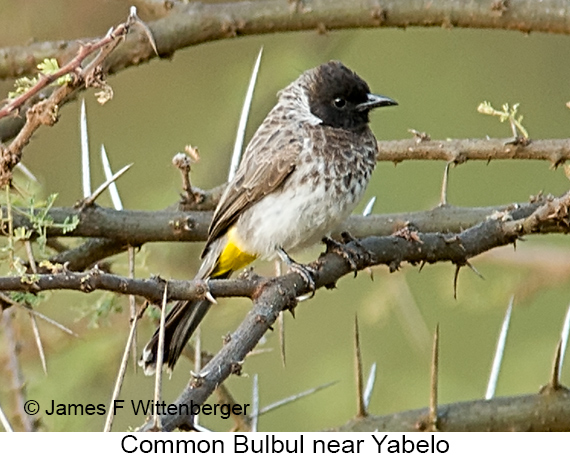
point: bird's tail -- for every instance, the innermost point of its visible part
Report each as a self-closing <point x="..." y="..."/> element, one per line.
<point x="181" y="322"/>
<point x="222" y="258"/>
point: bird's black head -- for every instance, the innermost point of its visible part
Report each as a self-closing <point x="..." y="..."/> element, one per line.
<point x="341" y="98"/>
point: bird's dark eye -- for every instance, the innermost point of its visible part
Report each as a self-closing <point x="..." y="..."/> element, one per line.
<point x="339" y="102"/>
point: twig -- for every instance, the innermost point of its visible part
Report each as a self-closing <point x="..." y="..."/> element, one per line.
<point x="5" y="298"/>
<point x="85" y="50"/>
<point x="255" y="403"/>
<point x="35" y="329"/>
<point x="46" y="111"/>
<point x="18" y="382"/>
<point x="122" y="369"/>
<point x="293" y="398"/>
<point x="159" y="357"/>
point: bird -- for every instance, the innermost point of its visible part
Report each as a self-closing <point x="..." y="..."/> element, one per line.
<point x="303" y="172"/>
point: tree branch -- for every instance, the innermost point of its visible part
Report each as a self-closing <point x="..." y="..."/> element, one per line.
<point x="112" y="231"/>
<point x="188" y="24"/>
<point x="272" y="296"/>
<point x="135" y="228"/>
<point x="460" y="151"/>
<point x="538" y="413"/>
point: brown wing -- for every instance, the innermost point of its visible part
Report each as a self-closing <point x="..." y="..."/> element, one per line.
<point x="270" y="157"/>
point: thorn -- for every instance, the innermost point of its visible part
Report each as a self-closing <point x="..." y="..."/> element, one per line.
<point x="30" y="310"/>
<point x="281" y="324"/>
<point x="432" y="425"/>
<point x="422" y="265"/>
<point x="26" y="171"/>
<point x="474" y="270"/>
<point x="499" y="352"/>
<point x="115" y="198"/>
<point x="210" y="297"/>
<point x="4" y="421"/>
<point x="39" y="344"/>
<point x="198" y="350"/>
<point x="360" y="404"/>
<point x="370" y="385"/>
<point x="555" y="379"/>
<point x="281" y="319"/>
<point x="443" y="196"/>
<point x="564" y="336"/>
<point x="292" y="398"/>
<point x="369" y="206"/>
<point x="135" y="19"/>
<point x="91" y="199"/>
<point x="457" y="268"/>
<point x="238" y="145"/>
<point x="85" y="166"/>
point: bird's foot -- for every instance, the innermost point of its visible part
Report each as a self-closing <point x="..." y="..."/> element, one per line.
<point x="304" y="271"/>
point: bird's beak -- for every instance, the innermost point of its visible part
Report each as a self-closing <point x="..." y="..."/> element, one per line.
<point x="375" y="101"/>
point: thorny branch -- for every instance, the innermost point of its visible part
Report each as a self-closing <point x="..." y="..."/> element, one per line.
<point x="46" y="112"/>
<point x="271" y="296"/>
<point x="538" y="412"/>
<point x="110" y="232"/>
<point x="393" y="238"/>
<point x="459" y="151"/>
<point x="183" y="24"/>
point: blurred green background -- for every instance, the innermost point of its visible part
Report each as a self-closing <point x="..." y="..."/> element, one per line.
<point x="438" y="77"/>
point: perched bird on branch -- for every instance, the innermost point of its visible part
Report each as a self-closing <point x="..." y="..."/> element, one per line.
<point x="302" y="174"/>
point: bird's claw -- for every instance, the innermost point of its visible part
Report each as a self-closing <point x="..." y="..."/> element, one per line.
<point x="304" y="271"/>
